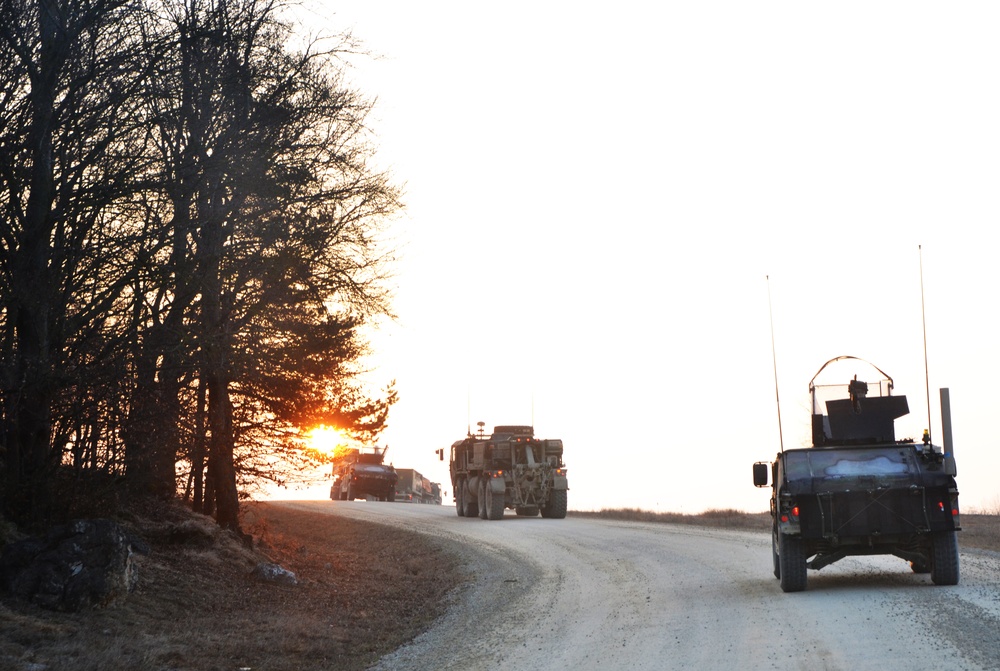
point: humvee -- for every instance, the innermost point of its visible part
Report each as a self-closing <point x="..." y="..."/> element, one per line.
<point x="860" y="491"/>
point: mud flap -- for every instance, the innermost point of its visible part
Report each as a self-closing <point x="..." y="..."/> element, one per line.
<point x="497" y="485"/>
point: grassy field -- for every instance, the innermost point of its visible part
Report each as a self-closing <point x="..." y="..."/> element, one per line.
<point x="363" y="590"/>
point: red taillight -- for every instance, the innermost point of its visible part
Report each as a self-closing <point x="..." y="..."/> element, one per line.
<point x="784" y="518"/>
<point x="795" y="511"/>
<point x="941" y="506"/>
<point x="954" y="512"/>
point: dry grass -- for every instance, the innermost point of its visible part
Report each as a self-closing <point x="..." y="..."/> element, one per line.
<point x="724" y="518"/>
<point x="978" y="530"/>
<point x="364" y="590"/>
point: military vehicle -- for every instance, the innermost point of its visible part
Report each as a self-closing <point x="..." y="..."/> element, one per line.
<point x="860" y="491"/>
<point x="358" y="474"/>
<point x="508" y="469"/>
<point x="413" y="487"/>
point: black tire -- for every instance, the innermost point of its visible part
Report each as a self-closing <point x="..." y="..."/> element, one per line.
<point x="460" y="497"/>
<point x="494" y="504"/>
<point x="526" y="511"/>
<point x="792" y="563"/>
<point x="555" y="507"/>
<point x="469" y="502"/>
<point x="350" y="492"/>
<point x="774" y="554"/>
<point x="944" y="558"/>
<point x="390" y="496"/>
<point x="482" y="498"/>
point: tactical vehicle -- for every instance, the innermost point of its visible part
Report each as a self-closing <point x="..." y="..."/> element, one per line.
<point x="860" y="491"/>
<point x="358" y="474"/>
<point x="413" y="487"/>
<point x="508" y="469"/>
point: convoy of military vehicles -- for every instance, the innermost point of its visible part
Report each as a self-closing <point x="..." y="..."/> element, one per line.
<point x="861" y="491"/>
<point x="508" y="469"/>
<point x="363" y="474"/>
<point x="857" y="491"/>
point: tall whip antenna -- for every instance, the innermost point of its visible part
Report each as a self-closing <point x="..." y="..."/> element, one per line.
<point x="923" y="317"/>
<point x="774" y="359"/>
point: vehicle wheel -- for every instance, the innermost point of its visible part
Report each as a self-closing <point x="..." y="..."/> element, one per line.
<point x="944" y="558"/>
<point x="460" y="498"/>
<point x="792" y="563"/>
<point x="482" y="498"/>
<point x="350" y="492"/>
<point x="494" y="504"/>
<point x="774" y="553"/>
<point x="390" y="495"/>
<point x="470" y="504"/>
<point x="555" y="507"/>
<point x="527" y="511"/>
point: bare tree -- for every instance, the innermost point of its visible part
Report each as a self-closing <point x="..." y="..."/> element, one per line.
<point x="72" y="231"/>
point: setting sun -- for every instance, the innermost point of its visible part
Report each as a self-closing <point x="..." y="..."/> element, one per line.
<point x="326" y="440"/>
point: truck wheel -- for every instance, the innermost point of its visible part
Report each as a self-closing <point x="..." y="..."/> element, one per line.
<point x="350" y="492"/>
<point x="460" y="497"/>
<point x="555" y="507"/>
<point x="944" y="558"/>
<point x="390" y="496"/>
<point x="526" y="511"/>
<point x="792" y="563"/>
<point x="774" y="553"/>
<point x="482" y="498"/>
<point x="494" y="504"/>
<point x="470" y="504"/>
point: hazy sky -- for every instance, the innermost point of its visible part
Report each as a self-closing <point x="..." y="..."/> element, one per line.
<point x="596" y="192"/>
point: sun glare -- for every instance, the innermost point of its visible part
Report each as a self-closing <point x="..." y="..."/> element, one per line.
<point x="325" y="439"/>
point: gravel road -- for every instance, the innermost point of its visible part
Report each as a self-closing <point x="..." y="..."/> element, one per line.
<point x="584" y="593"/>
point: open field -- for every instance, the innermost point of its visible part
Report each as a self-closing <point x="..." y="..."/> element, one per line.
<point x="364" y="589"/>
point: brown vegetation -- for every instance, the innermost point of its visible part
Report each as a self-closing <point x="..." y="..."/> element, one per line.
<point x="363" y="591"/>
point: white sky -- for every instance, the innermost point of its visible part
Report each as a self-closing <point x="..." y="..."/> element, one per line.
<point x="595" y="196"/>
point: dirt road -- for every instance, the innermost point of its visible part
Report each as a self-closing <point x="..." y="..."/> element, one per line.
<point x="587" y="594"/>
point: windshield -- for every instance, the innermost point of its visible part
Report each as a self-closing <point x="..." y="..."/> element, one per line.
<point x="847" y="464"/>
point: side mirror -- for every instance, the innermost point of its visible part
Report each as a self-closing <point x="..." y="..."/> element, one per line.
<point x="760" y="473"/>
<point x="440" y="453"/>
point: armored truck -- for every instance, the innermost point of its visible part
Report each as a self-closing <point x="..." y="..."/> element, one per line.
<point x="510" y="468"/>
<point x="859" y="490"/>
<point x="359" y="474"/>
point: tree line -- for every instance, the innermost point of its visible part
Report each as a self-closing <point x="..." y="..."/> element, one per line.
<point x="191" y="236"/>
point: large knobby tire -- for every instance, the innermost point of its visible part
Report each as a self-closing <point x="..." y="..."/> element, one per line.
<point x="494" y="504"/>
<point x="944" y="558"/>
<point x="469" y="502"/>
<point x="555" y="507"/>
<point x="792" y="563"/>
<point x="482" y="498"/>
<point x="526" y="511"/>
<point x="460" y="497"/>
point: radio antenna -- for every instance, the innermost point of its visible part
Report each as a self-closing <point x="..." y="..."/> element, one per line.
<point x="923" y="317"/>
<point x="774" y="359"/>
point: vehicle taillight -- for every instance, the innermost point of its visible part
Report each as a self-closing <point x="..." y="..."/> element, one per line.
<point x="795" y="511"/>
